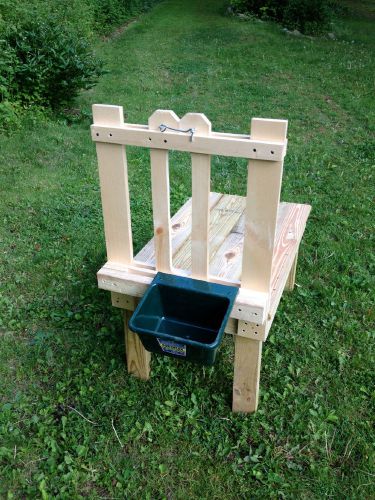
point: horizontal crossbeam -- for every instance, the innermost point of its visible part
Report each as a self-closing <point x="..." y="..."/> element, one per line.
<point x="135" y="279"/>
<point x="236" y="145"/>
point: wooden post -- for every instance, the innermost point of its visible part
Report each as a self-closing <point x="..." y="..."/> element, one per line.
<point x="160" y="192"/>
<point x="201" y="178"/>
<point x="138" y="359"/>
<point x="262" y="203"/>
<point x="291" y="280"/>
<point x="248" y="355"/>
<point x="114" y="188"/>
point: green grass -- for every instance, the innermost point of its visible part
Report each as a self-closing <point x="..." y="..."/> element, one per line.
<point x="61" y="342"/>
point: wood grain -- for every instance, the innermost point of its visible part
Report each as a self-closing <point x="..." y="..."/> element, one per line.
<point x="247" y="361"/>
<point x="137" y="358"/>
<point x="113" y="174"/>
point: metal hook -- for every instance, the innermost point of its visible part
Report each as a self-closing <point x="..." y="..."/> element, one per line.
<point x="190" y="131"/>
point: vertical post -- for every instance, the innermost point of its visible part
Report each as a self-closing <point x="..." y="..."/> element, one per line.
<point x="291" y="280"/>
<point x="137" y="358"/>
<point x="248" y="355"/>
<point x="201" y="179"/>
<point x="262" y="203"/>
<point x="160" y="193"/>
<point x="113" y="174"/>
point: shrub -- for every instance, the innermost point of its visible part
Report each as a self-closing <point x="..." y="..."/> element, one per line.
<point x="50" y="64"/>
<point x="308" y="16"/>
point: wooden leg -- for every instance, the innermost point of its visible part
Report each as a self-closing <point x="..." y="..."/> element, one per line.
<point x="291" y="280"/>
<point x="247" y="360"/>
<point x="138" y="359"/>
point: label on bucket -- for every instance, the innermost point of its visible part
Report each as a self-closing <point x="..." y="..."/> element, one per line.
<point x="172" y="347"/>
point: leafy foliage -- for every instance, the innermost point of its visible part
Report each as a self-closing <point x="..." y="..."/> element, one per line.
<point x="307" y="16"/>
<point x="50" y="64"/>
<point x="61" y="341"/>
<point x="46" y="55"/>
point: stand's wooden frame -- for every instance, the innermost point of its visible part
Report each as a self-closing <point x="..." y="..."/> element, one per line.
<point x="266" y="246"/>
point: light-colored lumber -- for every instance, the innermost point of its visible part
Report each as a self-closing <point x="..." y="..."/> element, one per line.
<point x="180" y="231"/>
<point x="291" y="280"/>
<point x="242" y="146"/>
<point x="160" y="194"/>
<point x="133" y="280"/>
<point x="113" y="176"/>
<point x="137" y="358"/>
<point x="247" y="361"/>
<point x="223" y="216"/>
<point x="201" y="179"/>
<point x="113" y="277"/>
<point x="123" y="301"/>
<point x="262" y="202"/>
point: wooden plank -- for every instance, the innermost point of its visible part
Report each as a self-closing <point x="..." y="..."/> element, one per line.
<point x="227" y="263"/>
<point x="241" y="146"/>
<point x="180" y="231"/>
<point x="123" y="301"/>
<point x="113" y="277"/>
<point x="247" y="361"/>
<point x="262" y="202"/>
<point x="113" y="176"/>
<point x="223" y="217"/>
<point x="291" y="280"/>
<point x="201" y="179"/>
<point x="286" y="250"/>
<point x="137" y="358"/>
<point x="160" y="194"/>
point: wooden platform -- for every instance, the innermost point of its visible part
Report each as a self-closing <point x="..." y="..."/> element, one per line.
<point x="226" y="235"/>
<point x="251" y="242"/>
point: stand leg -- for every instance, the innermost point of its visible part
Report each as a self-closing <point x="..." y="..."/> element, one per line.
<point x="291" y="280"/>
<point x="247" y="360"/>
<point x="138" y="359"/>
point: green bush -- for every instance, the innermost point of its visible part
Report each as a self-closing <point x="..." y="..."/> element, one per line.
<point x="50" y="64"/>
<point x="45" y="54"/>
<point x="307" y="16"/>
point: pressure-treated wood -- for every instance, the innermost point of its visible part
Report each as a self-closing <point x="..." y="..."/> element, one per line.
<point x="236" y="145"/>
<point x="249" y="242"/>
<point x="201" y="180"/>
<point x="227" y="223"/>
<point x="137" y="358"/>
<point x="262" y="202"/>
<point x="291" y="280"/>
<point x="113" y="176"/>
<point x="248" y="354"/>
<point x="160" y="194"/>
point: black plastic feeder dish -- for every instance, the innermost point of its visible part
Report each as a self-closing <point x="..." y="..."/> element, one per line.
<point x="183" y="317"/>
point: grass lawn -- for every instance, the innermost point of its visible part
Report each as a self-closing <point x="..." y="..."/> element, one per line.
<point x="64" y="387"/>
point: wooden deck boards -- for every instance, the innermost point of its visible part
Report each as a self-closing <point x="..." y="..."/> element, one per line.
<point x="226" y="236"/>
<point x="226" y="247"/>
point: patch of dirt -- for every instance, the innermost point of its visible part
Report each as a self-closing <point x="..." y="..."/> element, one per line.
<point x="119" y="31"/>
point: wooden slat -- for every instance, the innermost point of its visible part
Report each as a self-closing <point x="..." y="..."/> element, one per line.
<point x="241" y="146"/>
<point x="248" y="355"/>
<point x="262" y="202"/>
<point x="160" y="194"/>
<point x="286" y="250"/>
<point x="180" y="231"/>
<point x="137" y="358"/>
<point x="227" y="263"/>
<point x="201" y="178"/>
<point x="249" y="305"/>
<point x="113" y="176"/>
<point x="223" y="217"/>
<point x="291" y="280"/>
